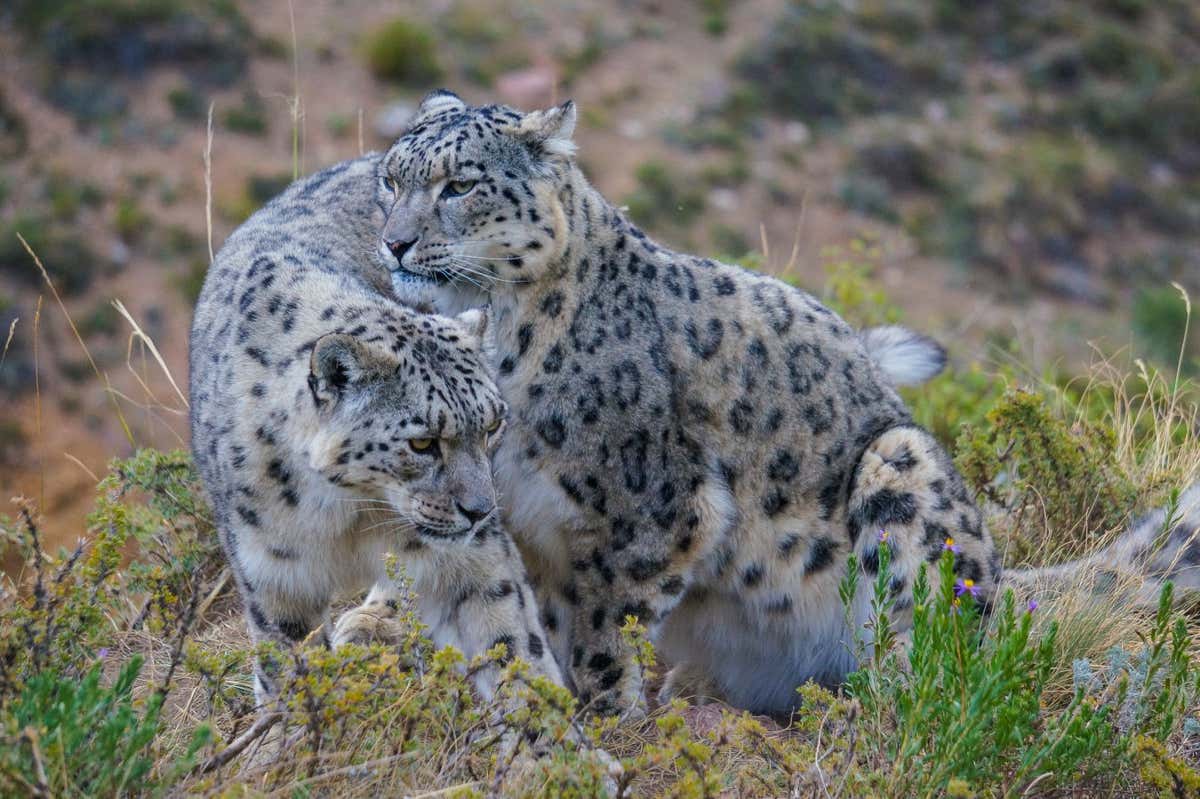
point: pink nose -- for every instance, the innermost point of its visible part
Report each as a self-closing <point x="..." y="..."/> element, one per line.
<point x="399" y="248"/>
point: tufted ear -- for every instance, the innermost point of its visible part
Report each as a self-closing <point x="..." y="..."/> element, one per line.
<point x="474" y="322"/>
<point x="436" y="102"/>
<point x="339" y="361"/>
<point x="549" y="131"/>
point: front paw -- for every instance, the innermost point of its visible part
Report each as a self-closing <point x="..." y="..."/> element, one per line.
<point x="616" y="691"/>
<point x="374" y="622"/>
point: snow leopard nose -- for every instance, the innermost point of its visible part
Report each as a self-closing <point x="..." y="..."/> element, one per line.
<point x="475" y="509"/>
<point x="399" y="248"/>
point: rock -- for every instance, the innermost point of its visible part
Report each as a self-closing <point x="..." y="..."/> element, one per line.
<point x="631" y="128"/>
<point x="392" y="120"/>
<point x="118" y="253"/>
<point x="528" y="88"/>
<point x="1162" y="175"/>
<point x="796" y="133"/>
<point x="723" y="199"/>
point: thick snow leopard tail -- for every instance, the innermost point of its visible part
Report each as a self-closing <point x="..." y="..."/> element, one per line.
<point x="1162" y="545"/>
<point x="906" y="357"/>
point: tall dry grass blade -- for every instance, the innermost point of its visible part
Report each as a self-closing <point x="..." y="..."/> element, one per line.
<point x="82" y="466"/>
<point x="1187" y="321"/>
<point x="208" y="183"/>
<point x="794" y="256"/>
<point x="37" y="400"/>
<point x="12" y="328"/>
<point x="297" y="116"/>
<point x="148" y="343"/>
<point x="75" y="330"/>
<point x="361" y="149"/>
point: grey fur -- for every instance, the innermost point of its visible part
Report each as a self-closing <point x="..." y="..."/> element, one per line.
<point x="693" y="444"/>
<point x="331" y="424"/>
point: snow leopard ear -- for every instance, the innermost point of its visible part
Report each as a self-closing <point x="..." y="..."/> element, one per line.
<point x="437" y="102"/>
<point x="548" y="132"/>
<point x="339" y="361"/>
<point x="474" y="322"/>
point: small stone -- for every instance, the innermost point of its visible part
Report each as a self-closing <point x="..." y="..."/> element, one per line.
<point x="796" y="133"/>
<point x="723" y="199"/>
<point x="118" y="252"/>
<point x="528" y="88"/>
<point x="632" y="128"/>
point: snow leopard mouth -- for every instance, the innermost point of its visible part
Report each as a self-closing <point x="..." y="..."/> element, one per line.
<point x="408" y="277"/>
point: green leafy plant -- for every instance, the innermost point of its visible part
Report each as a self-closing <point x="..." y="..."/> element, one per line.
<point x="664" y="197"/>
<point x="1062" y="478"/>
<point x="405" y="52"/>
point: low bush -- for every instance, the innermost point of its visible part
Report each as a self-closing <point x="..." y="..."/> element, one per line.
<point x="404" y="52"/>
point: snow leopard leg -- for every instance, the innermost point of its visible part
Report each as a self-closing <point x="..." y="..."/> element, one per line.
<point x="471" y="595"/>
<point x="281" y="612"/>
<point x="907" y="492"/>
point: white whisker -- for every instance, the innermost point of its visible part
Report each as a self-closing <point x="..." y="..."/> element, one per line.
<point x="469" y="268"/>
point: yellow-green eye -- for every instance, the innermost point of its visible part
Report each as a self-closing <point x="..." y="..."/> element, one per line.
<point x="457" y="188"/>
<point x="420" y="444"/>
<point x="493" y="427"/>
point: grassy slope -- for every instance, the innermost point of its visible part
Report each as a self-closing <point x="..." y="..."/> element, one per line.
<point x="138" y="635"/>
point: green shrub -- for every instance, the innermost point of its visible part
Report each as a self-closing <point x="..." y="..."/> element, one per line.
<point x="850" y="288"/>
<point x="13" y="442"/>
<point x="13" y="134"/>
<point x="250" y="117"/>
<point x="76" y="737"/>
<point x="68" y="194"/>
<point x="131" y="34"/>
<point x="867" y="195"/>
<point x="191" y="281"/>
<point x="1061" y="480"/>
<point x="716" y="16"/>
<point x="664" y="197"/>
<point x="339" y="125"/>
<point x="964" y="710"/>
<point x="1161" y="323"/>
<point x="67" y="256"/>
<point x="405" y="52"/>
<point x="489" y="44"/>
<point x="101" y="320"/>
<point x="129" y="219"/>
<point x="729" y="242"/>
<point x="187" y="103"/>
<point x="957" y="398"/>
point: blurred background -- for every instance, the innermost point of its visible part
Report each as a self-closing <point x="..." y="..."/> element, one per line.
<point x="1020" y="180"/>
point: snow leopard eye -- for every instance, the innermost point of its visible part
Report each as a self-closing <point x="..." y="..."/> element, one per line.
<point x="489" y="433"/>
<point x="458" y="188"/>
<point x="420" y="444"/>
<point x="388" y="183"/>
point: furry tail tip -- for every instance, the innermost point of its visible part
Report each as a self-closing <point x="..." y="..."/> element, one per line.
<point x="906" y="357"/>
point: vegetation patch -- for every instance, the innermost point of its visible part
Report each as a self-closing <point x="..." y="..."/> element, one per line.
<point x="404" y="51"/>
<point x="81" y="40"/>
<point x="664" y="197"/>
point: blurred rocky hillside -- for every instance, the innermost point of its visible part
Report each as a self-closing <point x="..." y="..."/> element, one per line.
<point x="1027" y="174"/>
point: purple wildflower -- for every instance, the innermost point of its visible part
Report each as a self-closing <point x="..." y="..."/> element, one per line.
<point x="966" y="587"/>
